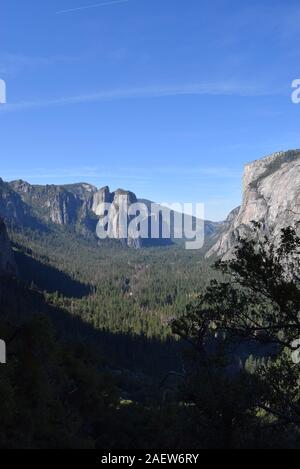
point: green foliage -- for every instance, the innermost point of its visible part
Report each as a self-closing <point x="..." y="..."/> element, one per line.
<point x="49" y="392"/>
<point x="256" y="307"/>
<point x="121" y="291"/>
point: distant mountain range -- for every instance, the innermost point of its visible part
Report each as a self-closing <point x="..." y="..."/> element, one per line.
<point x="271" y="196"/>
<point x="74" y="205"/>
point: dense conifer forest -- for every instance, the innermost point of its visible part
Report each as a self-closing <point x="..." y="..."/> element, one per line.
<point x="116" y="348"/>
<point x="130" y="294"/>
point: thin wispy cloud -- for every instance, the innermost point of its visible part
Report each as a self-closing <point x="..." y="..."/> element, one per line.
<point x="202" y="172"/>
<point x="130" y="173"/>
<point x="209" y="89"/>
<point x="95" y="5"/>
<point x="11" y="64"/>
<point x="80" y="173"/>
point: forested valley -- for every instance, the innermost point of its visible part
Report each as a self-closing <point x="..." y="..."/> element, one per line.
<point x="110" y="347"/>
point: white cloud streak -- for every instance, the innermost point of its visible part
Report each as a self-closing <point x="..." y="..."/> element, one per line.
<point x="96" y="5"/>
<point x="209" y="89"/>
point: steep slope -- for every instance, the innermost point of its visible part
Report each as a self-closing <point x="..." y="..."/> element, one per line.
<point x="7" y="260"/>
<point x="57" y="204"/>
<point x="12" y="207"/>
<point x="271" y="196"/>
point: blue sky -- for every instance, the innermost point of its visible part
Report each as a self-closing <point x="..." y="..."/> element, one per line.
<point x="167" y="98"/>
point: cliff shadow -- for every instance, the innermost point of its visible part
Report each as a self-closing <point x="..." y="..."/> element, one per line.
<point x="139" y="355"/>
<point x="48" y="278"/>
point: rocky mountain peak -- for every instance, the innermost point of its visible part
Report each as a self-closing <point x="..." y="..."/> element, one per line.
<point x="259" y="169"/>
<point x="20" y="185"/>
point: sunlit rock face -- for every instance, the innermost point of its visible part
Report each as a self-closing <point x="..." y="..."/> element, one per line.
<point x="101" y="197"/>
<point x="271" y="196"/>
<point x="7" y="260"/>
<point x="118" y="200"/>
<point x="57" y="204"/>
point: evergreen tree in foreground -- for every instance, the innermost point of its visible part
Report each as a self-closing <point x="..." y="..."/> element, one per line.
<point x="256" y="308"/>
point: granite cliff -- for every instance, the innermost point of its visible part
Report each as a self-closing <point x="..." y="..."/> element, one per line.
<point x="271" y="196"/>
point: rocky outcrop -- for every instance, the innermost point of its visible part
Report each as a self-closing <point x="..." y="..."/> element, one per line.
<point x="271" y="196"/>
<point x="7" y="260"/>
<point x="11" y="205"/>
<point x="58" y="204"/>
<point x="101" y="197"/>
<point x="116" y="199"/>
